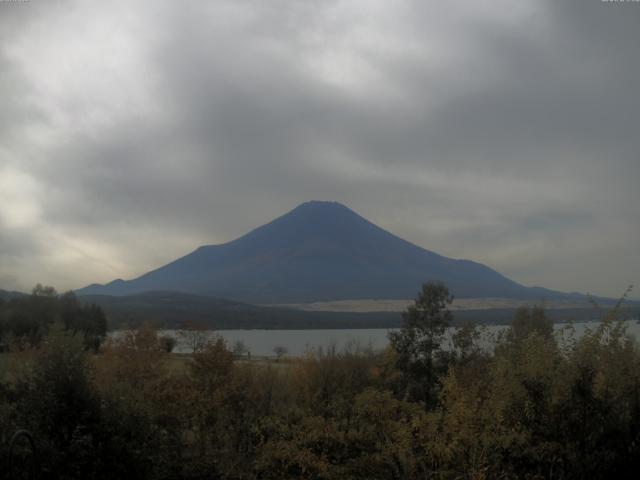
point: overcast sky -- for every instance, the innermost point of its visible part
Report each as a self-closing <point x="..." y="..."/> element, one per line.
<point x="504" y="132"/>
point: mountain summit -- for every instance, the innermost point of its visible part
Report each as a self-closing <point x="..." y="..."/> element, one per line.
<point x="318" y="251"/>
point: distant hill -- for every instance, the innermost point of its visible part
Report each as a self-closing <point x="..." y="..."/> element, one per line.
<point x="8" y="295"/>
<point x="181" y="310"/>
<point x="317" y="252"/>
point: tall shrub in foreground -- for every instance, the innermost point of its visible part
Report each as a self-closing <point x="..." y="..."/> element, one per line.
<point x="417" y="345"/>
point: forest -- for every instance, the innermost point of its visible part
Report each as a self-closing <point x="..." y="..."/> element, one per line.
<point x="535" y="405"/>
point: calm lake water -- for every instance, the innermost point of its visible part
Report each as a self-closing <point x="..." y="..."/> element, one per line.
<point x="297" y="342"/>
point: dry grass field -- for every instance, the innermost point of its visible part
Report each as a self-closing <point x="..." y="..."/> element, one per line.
<point x="371" y="305"/>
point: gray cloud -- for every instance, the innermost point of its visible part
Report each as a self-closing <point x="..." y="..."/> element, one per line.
<point x="130" y="134"/>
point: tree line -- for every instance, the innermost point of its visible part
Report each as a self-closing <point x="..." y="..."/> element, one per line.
<point x="26" y="320"/>
<point x="535" y="404"/>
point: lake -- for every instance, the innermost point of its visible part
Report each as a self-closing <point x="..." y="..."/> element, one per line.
<point x="297" y="342"/>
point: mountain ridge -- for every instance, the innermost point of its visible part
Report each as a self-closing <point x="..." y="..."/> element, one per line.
<point x="319" y="251"/>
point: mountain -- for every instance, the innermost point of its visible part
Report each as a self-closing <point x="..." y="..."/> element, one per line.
<point x="319" y="251"/>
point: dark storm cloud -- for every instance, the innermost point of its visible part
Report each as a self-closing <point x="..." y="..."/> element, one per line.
<point x="500" y="133"/>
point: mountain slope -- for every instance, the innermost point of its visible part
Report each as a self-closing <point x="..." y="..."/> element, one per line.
<point x="8" y="295"/>
<point x="318" y="251"/>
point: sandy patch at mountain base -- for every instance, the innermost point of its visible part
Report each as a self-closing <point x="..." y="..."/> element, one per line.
<point x="370" y="305"/>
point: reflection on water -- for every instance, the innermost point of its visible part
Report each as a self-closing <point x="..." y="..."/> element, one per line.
<point x="297" y="342"/>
